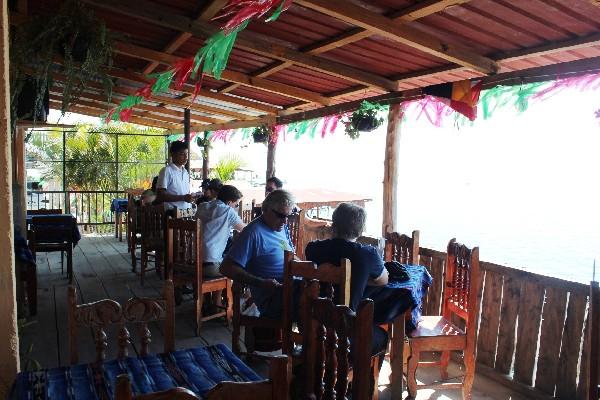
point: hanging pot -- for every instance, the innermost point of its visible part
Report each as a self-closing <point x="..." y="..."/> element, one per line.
<point x="80" y="46"/>
<point x="259" y="137"/>
<point x="26" y="102"/>
<point x="366" y="123"/>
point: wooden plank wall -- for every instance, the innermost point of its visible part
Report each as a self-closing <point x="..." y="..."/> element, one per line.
<point x="531" y="327"/>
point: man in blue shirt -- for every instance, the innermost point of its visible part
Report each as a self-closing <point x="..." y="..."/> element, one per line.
<point x="256" y="257"/>
<point x="218" y="218"/>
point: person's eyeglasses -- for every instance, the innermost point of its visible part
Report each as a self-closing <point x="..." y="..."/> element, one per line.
<point x="281" y="216"/>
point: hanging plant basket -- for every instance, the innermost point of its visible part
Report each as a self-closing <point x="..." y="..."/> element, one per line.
<point x="26" y="108"/>
<point x="261" y="134"/>
<point x="365" y="119"/>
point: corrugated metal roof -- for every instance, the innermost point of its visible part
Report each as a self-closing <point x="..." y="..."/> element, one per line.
<point x="491" y="28"/>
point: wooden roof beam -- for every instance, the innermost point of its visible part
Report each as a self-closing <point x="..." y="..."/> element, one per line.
<point x="147" y="108"/>
<point x="92" y="112"/>
<point x="102" y="107"/>
<point x="207" y="13"/>
<point x="412" y="37"/>
<point x="407" y="14"/>
<point x="228" y="75"/>
<point x="246" y="40"/>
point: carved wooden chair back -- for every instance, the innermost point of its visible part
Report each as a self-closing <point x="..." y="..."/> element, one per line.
<point x="245" y="210"/>
<point x="330" y="330"/>
<point x="185" y="212"/>
<point x="276" y="388"/>
<point x="153" y="229"/>
<point x="45" y="211"/>
<point x="334" y="281"/>
<point x="402" y="248"/>
<point x="462" y="273"/>
<point x="256" y="210"/>
<point x="103" y="313"/>
<point x="295" y="223"/>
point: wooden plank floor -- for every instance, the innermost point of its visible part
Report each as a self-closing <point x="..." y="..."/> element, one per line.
<point x="102" y="270"/>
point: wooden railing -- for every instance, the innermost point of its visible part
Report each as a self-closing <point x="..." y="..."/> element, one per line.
<point x="532" y="327"/>
<point x="531" y="330"/>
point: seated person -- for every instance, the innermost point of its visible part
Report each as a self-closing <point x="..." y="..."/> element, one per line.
<point x="218" y="218"/>
<point x="148" y="197"/>
<point x="272" y="184"/>
<point x="210" y="190"/>
<point x="173" y="185"/>
<point x="367" y="266"/>
<point x="256" y="257"/>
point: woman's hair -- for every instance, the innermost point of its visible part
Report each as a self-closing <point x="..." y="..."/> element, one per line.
<point x="278" y="199"/>
<point x="229" y="193"/>
<point x="348" y="221"/>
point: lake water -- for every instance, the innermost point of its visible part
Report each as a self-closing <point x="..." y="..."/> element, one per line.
<point x="524" y="188"/>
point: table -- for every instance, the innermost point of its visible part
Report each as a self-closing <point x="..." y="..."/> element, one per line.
<point x="197" y="369"/>
<point x="55" y="239"/>
<point x="392" y="303"/>
<point x="118" y="207"/>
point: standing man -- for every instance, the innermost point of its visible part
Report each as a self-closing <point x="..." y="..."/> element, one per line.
<point x="273" y="184"/>
<point x="173" y="186"/>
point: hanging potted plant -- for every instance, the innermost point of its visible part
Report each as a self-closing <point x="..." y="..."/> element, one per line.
<point x="365" y="119"/>
<point x="74" y="36"/>
<point x="261" y="134"/>
<point x="203" y="143"/>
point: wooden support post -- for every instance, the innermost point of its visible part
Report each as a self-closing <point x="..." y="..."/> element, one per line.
<point x="205" y="156"/>
<point x="271" y="148"/>
<point x="390" y="176"/>
<point x="19" y="181"/>
<point x="9" y="351"/>
<point x="186" y="135"/>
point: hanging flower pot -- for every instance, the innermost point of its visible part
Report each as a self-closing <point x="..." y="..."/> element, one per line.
<point x="26" y="107"/>
<point x="261" y="134"/>
<point x="365" y="119"/>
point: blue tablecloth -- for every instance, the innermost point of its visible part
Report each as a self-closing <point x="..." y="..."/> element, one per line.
<point x="397" y="297"/>
<point x="198" y="369"/>
<point x="118" y="205"/>
<point x="55" y="238"/>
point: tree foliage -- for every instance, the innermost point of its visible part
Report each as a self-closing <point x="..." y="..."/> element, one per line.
<point x="226" y="166"/>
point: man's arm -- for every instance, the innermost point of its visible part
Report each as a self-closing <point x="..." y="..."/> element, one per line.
<point x="234" y="271"/>
<point x="381" y="280"/>
<point x="163" y="196"/>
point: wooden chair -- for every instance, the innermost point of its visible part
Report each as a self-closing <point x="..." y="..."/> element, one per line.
<point x="276" y="388"/>
<point x="402" y="248"/>
<point x="295" y="225"/>
<point x="42" y="236"/>
<point x="594" y="341"/>
<point x="245" y="210"/>
<point x="137" y="310"/>
<point x="439" y="333"/>
<point x="332" y="279"/>
<point x="45" y="211"/>
<point x="154" y="226"/>
<point x="184" y="266"/>
<point x="134" y="229"/>
<point x="185" y="213"/>
<point x="328" y="364"/>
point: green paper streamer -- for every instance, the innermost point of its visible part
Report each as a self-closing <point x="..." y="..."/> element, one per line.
<point x="215" y="52"/>
<point x="276" y="13"/>
<point x="503" y="96"/>
<point x="163" y="81"/>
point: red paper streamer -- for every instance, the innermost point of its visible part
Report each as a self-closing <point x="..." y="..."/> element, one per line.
<point x="145" y="91"/>
<point x="244" y="10"/>
<point x="197" y="87"/>
<point x="125" y="115"/>
<point x="183" y="69"/>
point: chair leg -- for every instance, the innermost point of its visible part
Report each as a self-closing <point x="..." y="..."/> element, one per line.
<point x="199" y="302"/>
<point x="70" y="264"/>
<point x="133" y="259"/>
<point x="235" y="333"/>
<point x="249" y="339"/>
<point x="229" y="310"/>
<point x="375" y="366"/>
<point x="32" y="288"/>
<point x="469" y="374"/>
<point x="62" y="262"/>
<point x="143" y="265"/>
<point x="413" y="363"/>
<point x="444" y="361"/>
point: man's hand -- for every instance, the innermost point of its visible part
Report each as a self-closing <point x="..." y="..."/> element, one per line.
<point x="187" y="198"/>
<point x="269" y="285"/>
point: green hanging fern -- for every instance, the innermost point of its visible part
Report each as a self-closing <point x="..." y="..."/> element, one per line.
<point x="364" y="119"/>
<point x="72" y="34"/>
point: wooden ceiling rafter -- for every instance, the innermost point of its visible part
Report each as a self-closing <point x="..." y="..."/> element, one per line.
<point x="99" y="113"/>
<point x="406" y="35"/>
<point x="246" y="40"/>
<point x="407" y="14"/>
<point x="102" y="107"/>
<point x="228" y="75"/>
<point x="206" y="14"/>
